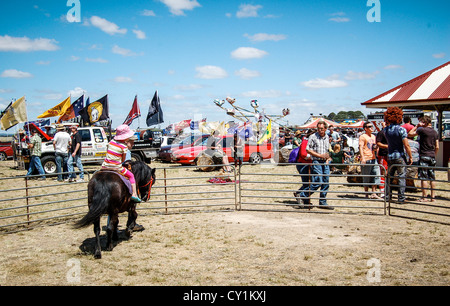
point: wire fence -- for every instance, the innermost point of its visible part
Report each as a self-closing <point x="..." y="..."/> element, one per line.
<point x="27" y="202"/>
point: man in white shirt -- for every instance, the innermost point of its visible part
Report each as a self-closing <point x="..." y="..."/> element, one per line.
<point x="61" y="144"/>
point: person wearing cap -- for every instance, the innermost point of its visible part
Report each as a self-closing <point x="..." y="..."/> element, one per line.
<point x="35" y="151"/>
<point x="297" y="139"/>
<point x="75" y="155"/>
<point x="61" y="145"/>
<point x="116" y="154"/>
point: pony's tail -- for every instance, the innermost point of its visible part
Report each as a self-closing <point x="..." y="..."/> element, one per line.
<point x="98" y="205"/>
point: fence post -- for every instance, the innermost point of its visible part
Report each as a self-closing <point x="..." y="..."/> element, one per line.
<point x="28" y="207"/>
<point x="165" y="189"/>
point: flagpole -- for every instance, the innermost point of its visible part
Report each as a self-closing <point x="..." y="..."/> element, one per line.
<point x="139" y="120"/>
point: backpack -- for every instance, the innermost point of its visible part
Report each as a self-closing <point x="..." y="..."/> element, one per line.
<point x="293" y="156"/>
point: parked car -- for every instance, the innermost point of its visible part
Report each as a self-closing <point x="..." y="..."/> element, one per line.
<point x="253" y="153"/>
<point x="6" y="152"/>
<point x="165" y="154"/>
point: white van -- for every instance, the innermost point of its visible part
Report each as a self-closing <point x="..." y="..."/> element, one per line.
<point x="94" y="143"/>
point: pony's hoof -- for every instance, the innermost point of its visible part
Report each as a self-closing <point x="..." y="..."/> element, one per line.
<point x="128" y="234"/>
<point x="98" y="255"/>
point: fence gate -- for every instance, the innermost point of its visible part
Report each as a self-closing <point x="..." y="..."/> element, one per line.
<point x="416" y="207"/>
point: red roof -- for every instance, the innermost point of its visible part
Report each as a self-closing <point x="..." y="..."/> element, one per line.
<point x="432" y="86"/>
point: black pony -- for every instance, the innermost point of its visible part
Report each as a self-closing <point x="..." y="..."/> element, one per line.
<point x="108" y="194"/>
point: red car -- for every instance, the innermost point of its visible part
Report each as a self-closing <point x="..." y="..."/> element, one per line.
<point x="6" y="152"/>
<point x="253" y="152"/>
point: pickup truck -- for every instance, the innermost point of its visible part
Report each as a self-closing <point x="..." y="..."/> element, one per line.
<point x="147" y="146"/>
<point x="94" y="144"/>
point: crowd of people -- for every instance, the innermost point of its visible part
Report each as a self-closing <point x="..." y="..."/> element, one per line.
<point x="320" y="150"/>
<point x="394" y="147"/>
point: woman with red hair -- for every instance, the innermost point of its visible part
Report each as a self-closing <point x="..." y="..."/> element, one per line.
<point x="397" y="139"/>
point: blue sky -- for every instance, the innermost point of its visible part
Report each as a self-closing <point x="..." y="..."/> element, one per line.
<point x="309" y="56"/>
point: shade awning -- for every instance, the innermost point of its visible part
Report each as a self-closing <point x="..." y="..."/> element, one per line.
<point x="429" y="91"/>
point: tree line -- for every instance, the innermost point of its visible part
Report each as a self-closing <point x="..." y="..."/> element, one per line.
<point x="343" y="115"/>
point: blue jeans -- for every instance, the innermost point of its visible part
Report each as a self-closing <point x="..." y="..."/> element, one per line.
<point x="35" y="163"/>
<point x="303" y="170"/>
<point x="77" y="160"/>
<point x="401" y="173"/>
<point x="61" y="159"/>
<point x="320" y="179"/>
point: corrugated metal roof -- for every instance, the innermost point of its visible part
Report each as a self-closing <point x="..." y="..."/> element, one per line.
<point x="430" y="86"/>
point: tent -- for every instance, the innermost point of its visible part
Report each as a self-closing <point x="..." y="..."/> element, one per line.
<point x="429" y="92"/>
<point x="313" y="124"/>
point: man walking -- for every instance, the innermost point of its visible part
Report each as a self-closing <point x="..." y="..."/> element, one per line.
<point x="75" y="155"/>
<point x="61" y="145"/>
<point x="35" y="152"/>
<point x="318" y="147"/>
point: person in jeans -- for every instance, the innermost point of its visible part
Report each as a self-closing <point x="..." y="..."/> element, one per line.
<point x="396" y="137"/>
<point x="35" y="152"/>
<point x="318" y="147"/>
<point x="75" y="155"/>
<point x="61" y="145"/>
<point x="302" y="195"/>
<point x="428" y="149"/>
<point x="369" y="169"/>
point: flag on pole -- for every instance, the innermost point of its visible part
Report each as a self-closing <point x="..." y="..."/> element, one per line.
<point x="14" y="114"/>
<point x="267" y="134"/>
<point x="155" y="114"/>
<point x="95" y="111"/>
<point x="73" y="110"/>
<point x="58" y="110"/>
<point x="135" y="112"/>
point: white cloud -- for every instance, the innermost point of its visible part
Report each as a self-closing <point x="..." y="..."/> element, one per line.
<point x="264" y="37"/>
<point x="439" y="55"/>
<point x="107" y="26"/>
<point x="122" y="51"/>
<point x="76" y="92"/>
<point x="248" y="53"/>
<point x="210" y="72"/>
<point x="248" y="10"/>
<point x="16" y="74"/>
<point x="96" y="60"/>
<point x="140" y="34"/>
<point x="53" y="96"/>
<point x="177" y="7"/>
<point x="389" y="67"/>
<point x="25" y="44"/>
<point x="352" y="75"/>
<point x="122" y="79"/>
<point x="190" y="87"/>
<point x="330" y="82"/>
<point x="149" y="13"/>
<point x="74" y="58"/>
<point x="262" y="94"/>
<point x="247" y="74"/>
<point x="339" y="19"/>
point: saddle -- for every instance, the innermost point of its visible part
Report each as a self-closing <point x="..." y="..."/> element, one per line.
<point x="123" y="178"/>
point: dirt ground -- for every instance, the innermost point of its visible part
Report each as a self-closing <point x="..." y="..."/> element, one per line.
<point x="235" y="248"/>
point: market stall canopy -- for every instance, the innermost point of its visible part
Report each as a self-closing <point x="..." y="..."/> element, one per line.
<point x="429" y="91"/>
<point x="313" y="124"/>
